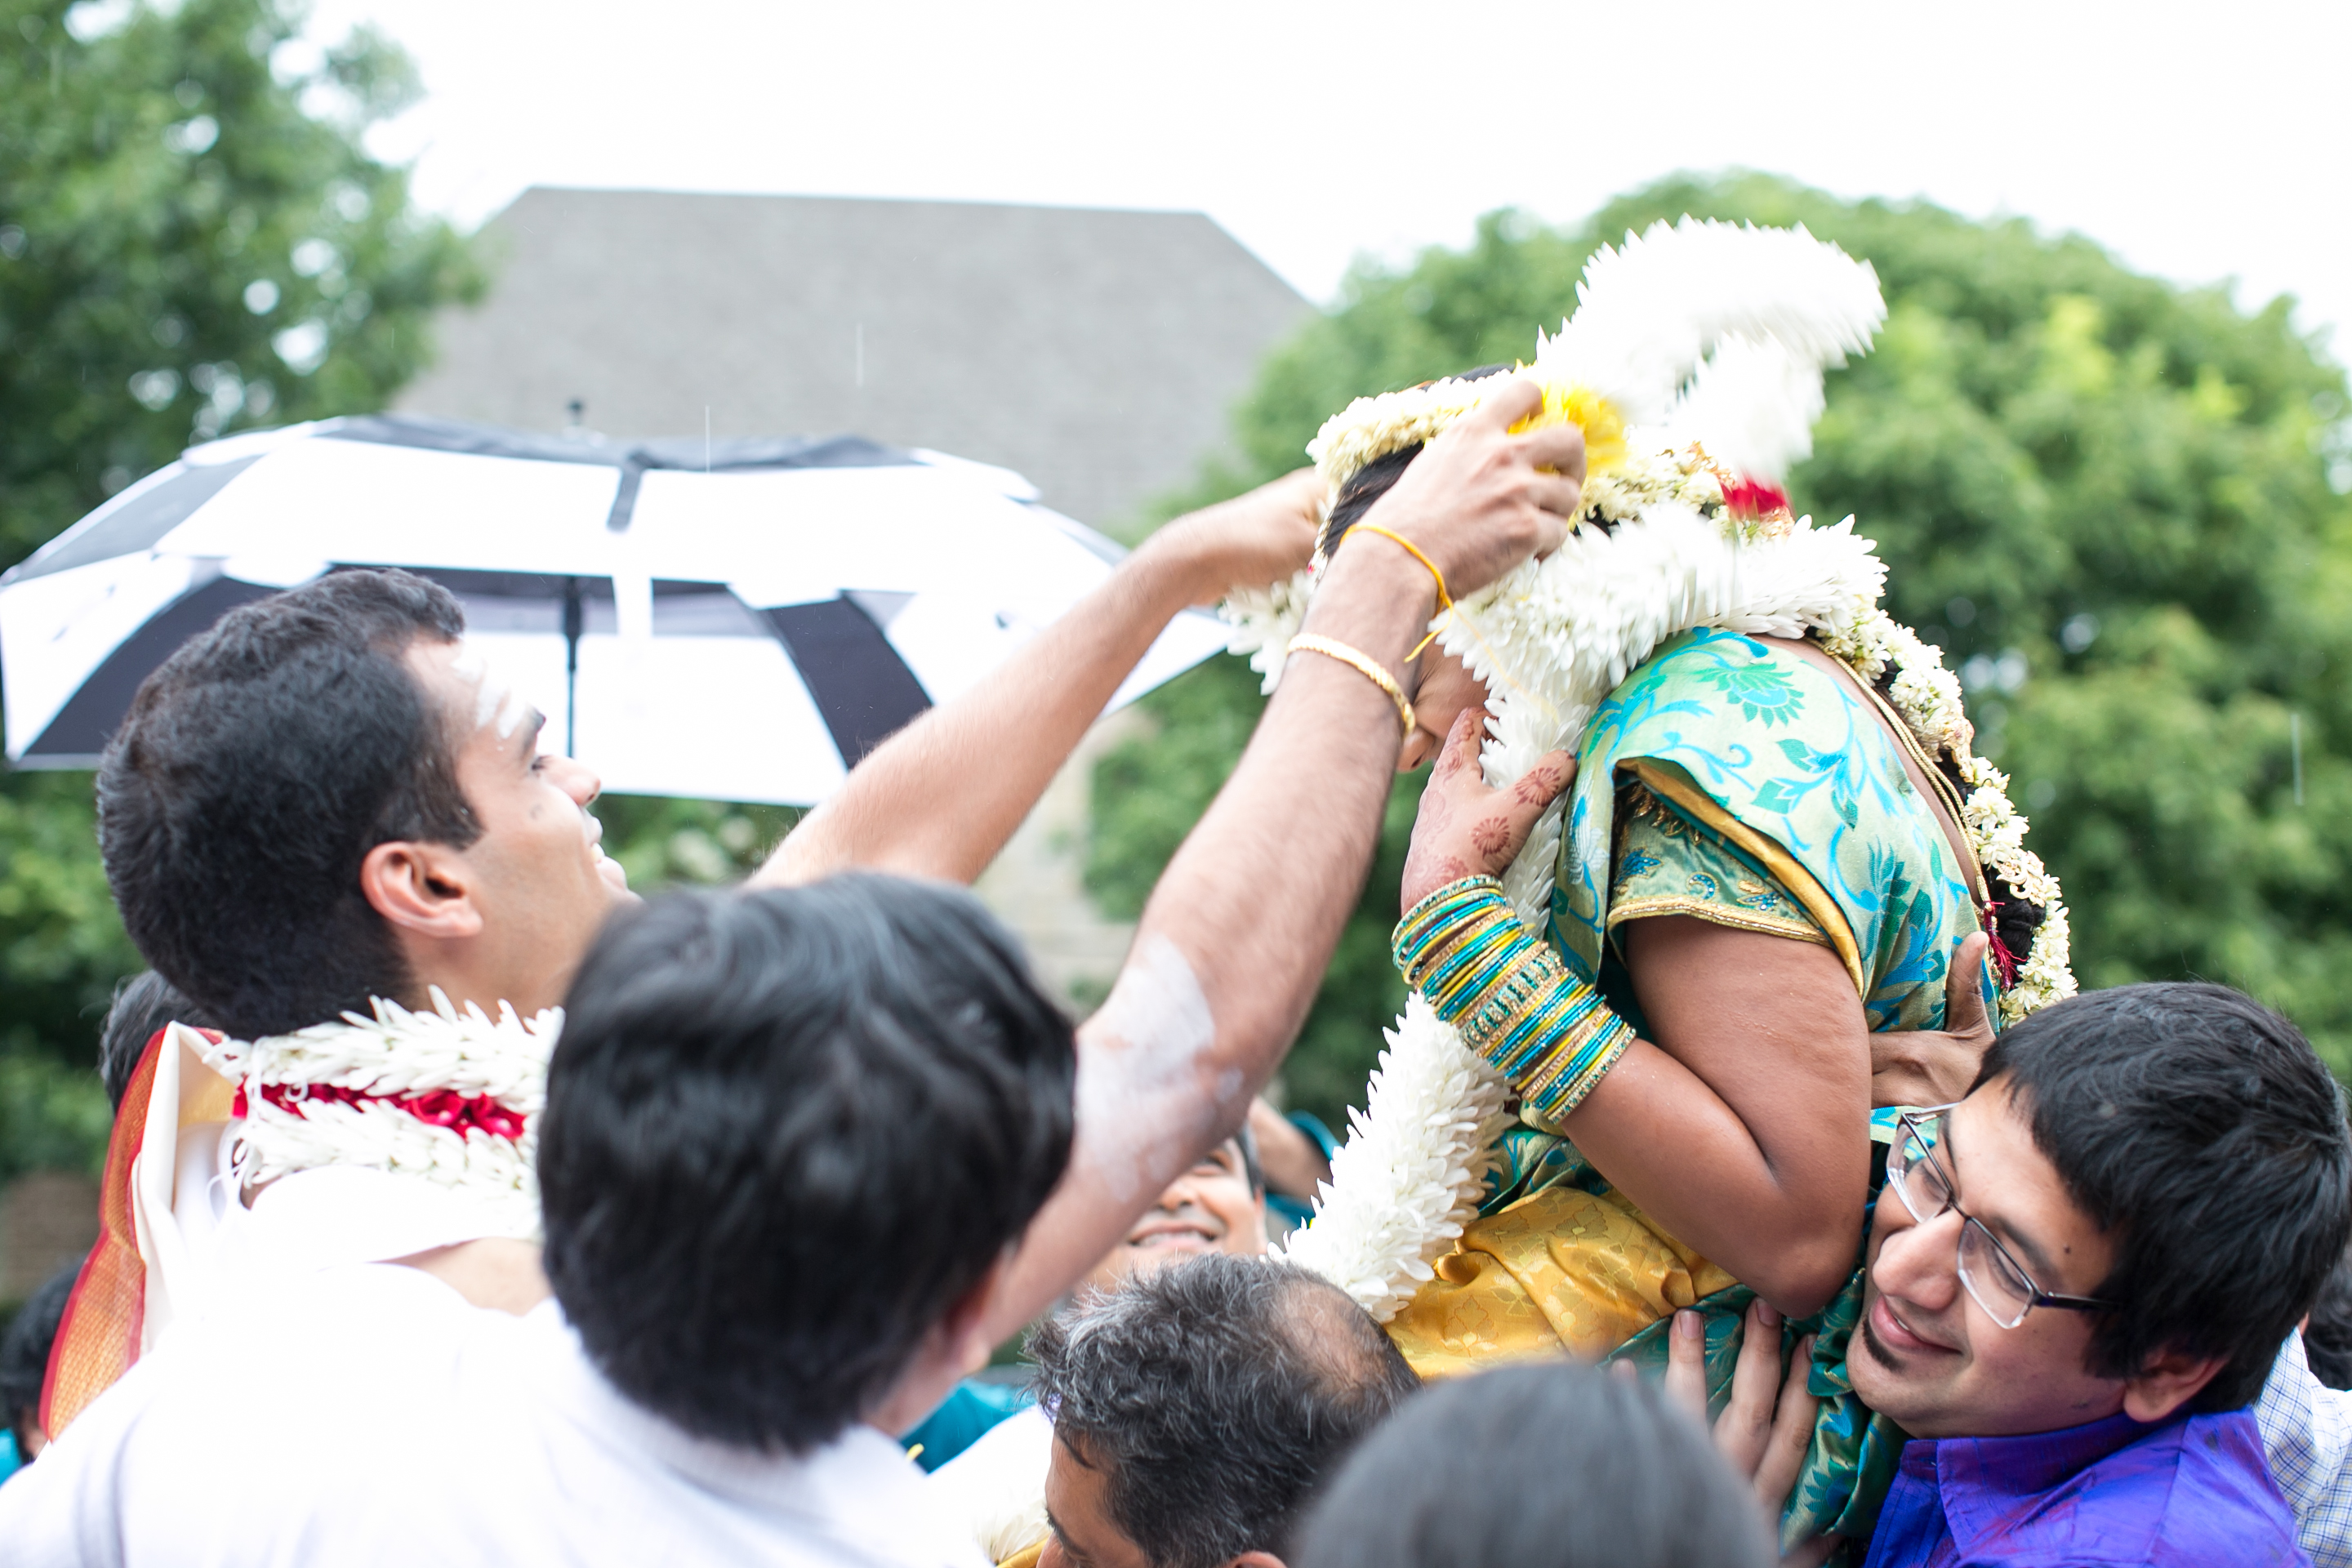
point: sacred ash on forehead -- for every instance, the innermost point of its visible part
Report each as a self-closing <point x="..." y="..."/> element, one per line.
<point x="496" y="700"/>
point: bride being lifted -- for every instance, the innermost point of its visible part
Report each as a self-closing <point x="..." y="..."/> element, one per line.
<point x="1637" y="1071"/>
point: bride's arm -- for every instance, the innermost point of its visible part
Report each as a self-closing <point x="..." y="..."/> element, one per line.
<point x="1741" y="1126"/>
<point x="1744" y="1127"/>
<point x="940" y="797"/>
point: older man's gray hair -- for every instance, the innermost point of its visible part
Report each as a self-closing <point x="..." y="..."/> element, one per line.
<point x="1215" y="1395"/>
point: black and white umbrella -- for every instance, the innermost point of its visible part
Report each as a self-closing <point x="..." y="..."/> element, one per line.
<point x="738" y="621"/>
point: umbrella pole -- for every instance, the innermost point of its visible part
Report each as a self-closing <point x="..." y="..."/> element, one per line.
<point x="572" y="622"/>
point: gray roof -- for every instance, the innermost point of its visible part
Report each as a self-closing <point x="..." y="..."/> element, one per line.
<point x="1098" y="352"/>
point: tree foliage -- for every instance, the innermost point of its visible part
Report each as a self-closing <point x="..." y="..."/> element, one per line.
<point x="192" y="240"/>
<point x="2106" y="496"/>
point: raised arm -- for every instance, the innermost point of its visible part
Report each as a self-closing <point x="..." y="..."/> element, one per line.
<point x="940" y="797"/>
<point x="1237" y="935"/>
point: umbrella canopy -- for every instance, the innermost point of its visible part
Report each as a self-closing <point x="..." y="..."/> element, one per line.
<point x="739" y="621"/>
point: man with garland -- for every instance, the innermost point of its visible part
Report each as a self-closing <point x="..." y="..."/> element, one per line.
<point x="1779" y="854"/>
<point x="328" y="805"/>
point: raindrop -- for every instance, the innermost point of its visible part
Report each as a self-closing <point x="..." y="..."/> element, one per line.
<point x="261" y="296"/>
<point x="12" y="242"/>
<point x="2079" y="632"/>
<point x="1960" y="612"/>
<point x="2040" y="793"/>
<point x="189" y="92"/>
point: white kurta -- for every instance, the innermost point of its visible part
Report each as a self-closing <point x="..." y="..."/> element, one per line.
<point x="366" y="1414"/>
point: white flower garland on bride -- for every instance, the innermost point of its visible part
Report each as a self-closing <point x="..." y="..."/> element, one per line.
<point x="1554" y="638"/>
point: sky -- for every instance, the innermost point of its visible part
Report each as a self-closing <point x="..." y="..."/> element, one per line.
<point x="2200" y="143"/>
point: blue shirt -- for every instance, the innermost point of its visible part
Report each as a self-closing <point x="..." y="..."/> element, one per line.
<point x="2191" y="1490"/>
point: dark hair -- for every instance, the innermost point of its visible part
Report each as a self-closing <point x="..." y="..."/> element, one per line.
<point x="2198" y="1131"/>
<point x="256" y="769"/>
<point x="1556" y="1465"/>
<point x="1253" y="1170"/>
<point x="1214" y="1394"/>
<point x="2328" y="1339"/>
<point x="1377" y="477"/>
<point x="786" y="1132"/>
<point x="24" y="1348"/>
<point x="142" y="1005"/>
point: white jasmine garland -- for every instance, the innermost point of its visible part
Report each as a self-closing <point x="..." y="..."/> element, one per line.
<point x="1413" y="1168"/>
<point x="397" y="1053"/>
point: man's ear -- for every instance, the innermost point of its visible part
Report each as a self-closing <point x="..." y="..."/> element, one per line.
<point x="2168" y="1380"/>
<point x="427" y="889"/>
<point x="1255" y="1560"/>
<point x="965" y="1327"/>
<point x="954" y="1347"/>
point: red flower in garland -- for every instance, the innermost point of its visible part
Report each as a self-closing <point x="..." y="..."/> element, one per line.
<point x="1753" y="498"/>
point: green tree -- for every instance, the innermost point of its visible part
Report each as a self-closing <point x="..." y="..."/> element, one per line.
<point x="192" y="240"/>
<point x="2105" y="496"/>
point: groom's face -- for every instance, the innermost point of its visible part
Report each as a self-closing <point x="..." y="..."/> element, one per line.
<point x="1928" y="1355"/>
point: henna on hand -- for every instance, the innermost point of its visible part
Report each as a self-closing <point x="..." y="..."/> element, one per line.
<point x="1459" y="832"/>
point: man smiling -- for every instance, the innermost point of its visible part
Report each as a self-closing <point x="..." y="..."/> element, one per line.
<point x="1218" y="1205"/>
<point x="2079" y="1275"/>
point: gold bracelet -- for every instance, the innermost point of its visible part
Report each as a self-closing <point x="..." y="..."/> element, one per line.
<point x="1363" y="662"/>
<point x="1444" y="599"/>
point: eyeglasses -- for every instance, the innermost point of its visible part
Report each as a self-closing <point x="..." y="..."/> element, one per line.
<point x="1999" y="1284"/>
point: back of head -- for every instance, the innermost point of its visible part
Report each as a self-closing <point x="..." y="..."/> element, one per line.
<point x="2197" y="1129"/>
<point x="2328" y="1338"/>
<point x="1549" y="1466"/>
<point x="24" y="1348"/>
<point x="786" y="1132"/>
<point x="1215" y="1394"/>
<point x="142" y="1005"/>
<point x="256" y="769"/>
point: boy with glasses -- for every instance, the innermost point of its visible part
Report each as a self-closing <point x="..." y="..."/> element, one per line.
<point x="2088" y="1266"/>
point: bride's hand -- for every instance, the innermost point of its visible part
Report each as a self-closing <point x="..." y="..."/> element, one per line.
<point x="1465" y="830"/>
<point x="1259" y="537"/>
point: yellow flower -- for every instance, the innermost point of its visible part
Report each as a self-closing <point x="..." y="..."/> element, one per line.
<point x="1571" y="403"/>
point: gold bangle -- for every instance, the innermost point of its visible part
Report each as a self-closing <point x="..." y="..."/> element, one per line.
<point x="1444" y="599"/>
<point x="1363" y="663"/>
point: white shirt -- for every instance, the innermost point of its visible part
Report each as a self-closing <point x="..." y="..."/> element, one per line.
<point x="366" y="1414"/>
<point x="2306" y="1430"/>
<point x="996" y="1488"/>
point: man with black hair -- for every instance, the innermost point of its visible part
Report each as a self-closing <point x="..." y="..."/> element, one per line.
<point x="2081" y="1274"/>
<point x="142" y="1005"/>
<point x="24" y="1361"/>
<point x="330" y="804"/>
<point x="1197" y="1407"/>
